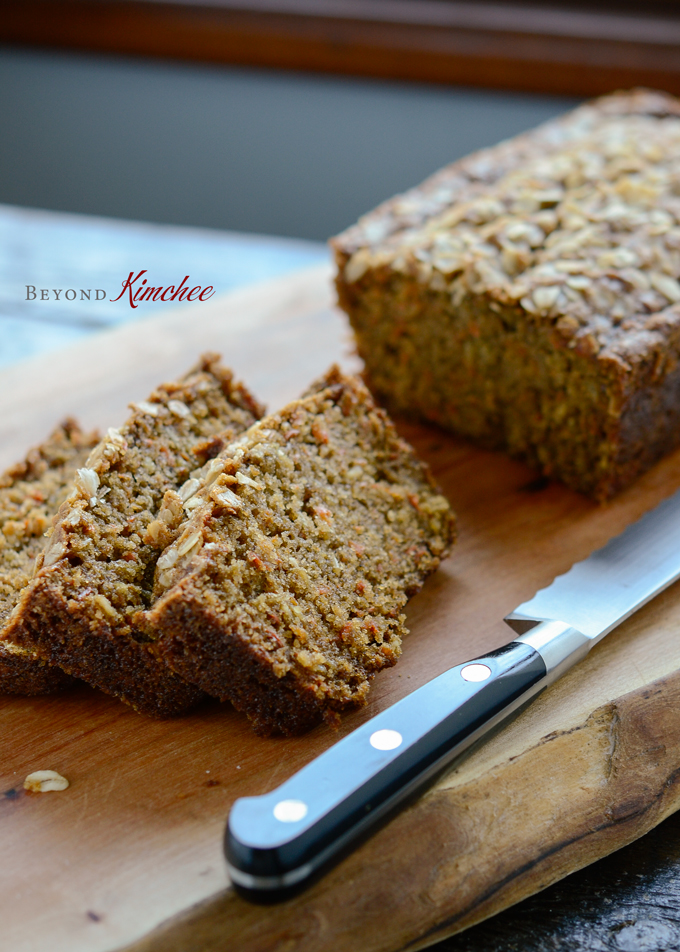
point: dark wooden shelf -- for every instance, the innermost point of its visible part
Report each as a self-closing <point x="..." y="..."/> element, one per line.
<point x="574" y="50"/>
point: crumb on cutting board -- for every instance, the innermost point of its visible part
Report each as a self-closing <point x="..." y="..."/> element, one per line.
<point x="44" y="781"/>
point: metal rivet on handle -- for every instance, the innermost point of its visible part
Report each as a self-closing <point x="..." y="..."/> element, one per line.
<point x="475" y="672"/>
<point x="385" y="740"/>
<point x="290" y="811"/>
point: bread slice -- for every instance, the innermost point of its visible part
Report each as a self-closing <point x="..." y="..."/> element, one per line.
<point x="97" y="570"/>
<point x="30" y="494"/>
<point x="284" y="591"/>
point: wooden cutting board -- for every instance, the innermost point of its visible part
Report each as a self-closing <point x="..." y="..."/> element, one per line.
<point x="130" y="855"/>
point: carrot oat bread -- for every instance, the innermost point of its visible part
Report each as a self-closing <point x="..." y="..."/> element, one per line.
<point x="284" y="591"/>
<point x="96" y="572"/>
<point x="30" y="494"/>
<point x="528" y="296"/>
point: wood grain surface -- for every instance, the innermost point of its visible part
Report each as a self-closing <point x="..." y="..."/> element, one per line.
<point x="573" y="49"/>
<point x="627" y="902"/>
<point x="130" y="855"/>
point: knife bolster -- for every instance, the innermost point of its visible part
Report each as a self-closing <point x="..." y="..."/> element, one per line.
<point x="560" y="646"/>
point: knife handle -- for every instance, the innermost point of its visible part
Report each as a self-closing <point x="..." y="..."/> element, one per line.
<point x="275" y="841"/>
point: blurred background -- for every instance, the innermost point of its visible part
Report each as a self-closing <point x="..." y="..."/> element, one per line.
<point x="291" y="117"/>
<point x="282" y="118"/>
<point x="281" y="153"/>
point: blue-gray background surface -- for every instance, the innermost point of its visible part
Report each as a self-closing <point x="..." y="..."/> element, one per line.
<point x="248" y="150"/>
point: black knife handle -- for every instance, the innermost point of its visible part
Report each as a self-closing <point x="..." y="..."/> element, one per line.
<point x="277" y="840"/>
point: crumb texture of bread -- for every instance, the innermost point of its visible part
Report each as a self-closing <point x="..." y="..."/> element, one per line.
<point x="30" y="494"/>
<point x="528" y="297"/>
<point x="96" y="572"/>
<point x="285" y="590"/>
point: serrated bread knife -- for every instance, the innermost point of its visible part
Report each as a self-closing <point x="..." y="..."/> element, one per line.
<point x="276" y="841"/>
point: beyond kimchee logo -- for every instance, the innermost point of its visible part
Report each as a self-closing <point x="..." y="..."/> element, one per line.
<point x="144" y="292"/>
<point x="135" y="286"/>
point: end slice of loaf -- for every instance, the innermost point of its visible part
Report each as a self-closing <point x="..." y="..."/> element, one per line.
<point x="30" y="494"/>
<point x="97" y="570"/>
<point x="285" y="591"/>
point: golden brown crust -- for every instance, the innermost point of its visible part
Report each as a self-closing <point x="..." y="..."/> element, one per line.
<point x="50" y="621"/>
<point x="97" y="570"/>
<point x="228" y="665"/>
<point x="285" y="588"/>
<point x="24" y="674"/>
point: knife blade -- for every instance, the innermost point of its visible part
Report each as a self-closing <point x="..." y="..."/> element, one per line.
<point x="279" y="840"/>
<point x="632" y="568"/>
